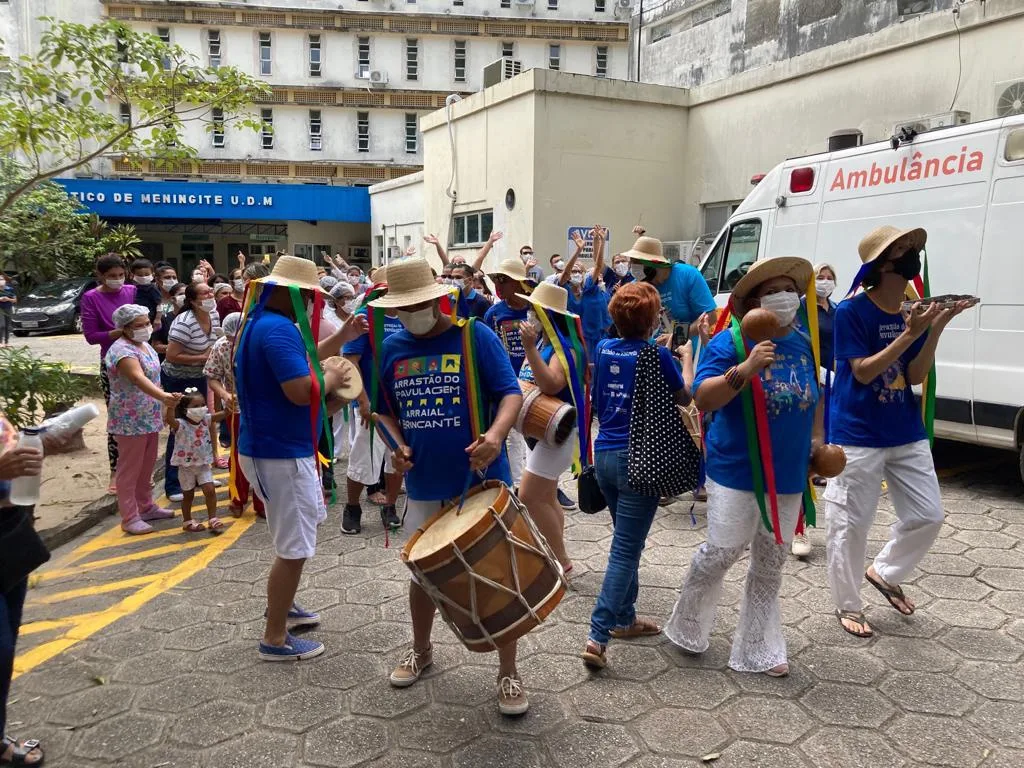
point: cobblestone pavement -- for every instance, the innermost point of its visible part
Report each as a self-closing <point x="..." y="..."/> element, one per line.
<point x="175" y="681"/>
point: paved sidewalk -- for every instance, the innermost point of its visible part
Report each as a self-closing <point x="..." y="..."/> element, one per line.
<point x="69" y="348"/>
<point x="175" y="681"/>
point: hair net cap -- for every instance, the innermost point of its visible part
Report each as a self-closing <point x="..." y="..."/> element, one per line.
<point x="218" y="287"/>
<point x="231" y="322"/>
<point x="327" y="282"/>
<point x="343" y="290"/>
<point x="126" y="313"/>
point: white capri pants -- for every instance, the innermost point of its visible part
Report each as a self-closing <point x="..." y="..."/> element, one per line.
<point x="291" y="492"/>
<point x="515" y="444"/>
<point x="851" y="501"/>
<point x="550" y="461"/>
<point x="364" y="460"/>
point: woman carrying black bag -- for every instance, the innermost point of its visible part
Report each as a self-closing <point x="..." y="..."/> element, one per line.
<point x="20" y="549"/>
<point x="624" y="369"/>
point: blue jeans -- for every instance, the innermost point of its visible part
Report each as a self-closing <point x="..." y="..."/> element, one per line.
<point x="174" y="384"/>
<point x="632" y="515"/>
<point x="11" y="604"/>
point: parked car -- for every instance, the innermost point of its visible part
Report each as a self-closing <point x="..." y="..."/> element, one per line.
<point x="51" y="307"/>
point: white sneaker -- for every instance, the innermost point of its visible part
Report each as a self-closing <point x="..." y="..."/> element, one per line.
<point x="175" y="496"/>
<point x="801" y="546"/>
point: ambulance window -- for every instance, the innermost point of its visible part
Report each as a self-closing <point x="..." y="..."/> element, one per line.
<point x="713" y="265"/>
<point x="744" y="239"/>
<point x="1015" y="145"/>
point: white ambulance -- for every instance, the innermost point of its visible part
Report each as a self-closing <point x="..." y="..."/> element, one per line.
<point x="965" y="186"/>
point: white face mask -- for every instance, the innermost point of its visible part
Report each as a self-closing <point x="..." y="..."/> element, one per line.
<point x="238" y="285"/>
<point x="354" y="280"/>
<point x="577" y="278"/>
<point x="179" y="300"/>
<point x="459" y="283"/>
<point x="198" y="277"/>
<point x="208" y="305"/>
<point x="349" y="306"/>
<point x="418" y="323"/>
<point x="196" y="414"/>
<point x="144" y="279"/>
<point x="824" y="288"/>
<point x="142" y="334"/>
<point x="783" y="305"/>
<point x="169" y="283"/>
<point x="115" y="285"/>
<point x="622" y="268"/>
<point x="558" y="265"/>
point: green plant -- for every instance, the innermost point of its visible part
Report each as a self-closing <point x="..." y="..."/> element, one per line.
<point x="31" y="388"/>
<point x="122" y="240"/>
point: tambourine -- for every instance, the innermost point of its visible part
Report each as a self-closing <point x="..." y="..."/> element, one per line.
<point x="946" y="301"/>
<point x="354" y="387"/>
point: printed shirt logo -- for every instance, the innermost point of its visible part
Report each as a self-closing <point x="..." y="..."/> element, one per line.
<point x="790" y="386"/>
<point x="891" y="386"/>
<point x="914" y="168"/>
<point x="428" y="391"/>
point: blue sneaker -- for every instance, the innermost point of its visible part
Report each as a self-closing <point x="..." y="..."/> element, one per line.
<point x="299" y="617"/>
<point x="565" y="501"/>
<point x="294" y="649"/>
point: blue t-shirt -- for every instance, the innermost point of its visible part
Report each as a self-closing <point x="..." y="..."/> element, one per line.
<point x="504" y="321"/>
<point x="361" y="346"/>
<point x="425" y="384"/>
<point x="614" y="371"/>
<point x="472" y="303"/>
<point x="271" y="425"/>
<point x="526" y="373"/>
<point x="885" y="412"/>
<point x="791" y="396"/>
<point x="592" y="307"/>
<point x="826" y="324"/>
<point x="685" y="294"/>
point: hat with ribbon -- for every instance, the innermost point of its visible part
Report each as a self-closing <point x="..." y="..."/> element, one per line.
<point x="797" y="269"/>
<point x="293" y="270"/>
<point x="550" y="296"/>
<point x="410" y="281"/>
<point x="878" y="240"/>
<point x="647" y="250"/>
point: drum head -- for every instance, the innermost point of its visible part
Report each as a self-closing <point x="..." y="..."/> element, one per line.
<point x="453" y="523"/>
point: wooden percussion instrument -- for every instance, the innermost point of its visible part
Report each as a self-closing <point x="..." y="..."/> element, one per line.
<point x="760" y="325"/>
<point x="945" y="301"/>
<point x="828" y="460"/>
<point x="543" y="417"/>
<point x="487" y="568"/>
<point x="354" y="388"/>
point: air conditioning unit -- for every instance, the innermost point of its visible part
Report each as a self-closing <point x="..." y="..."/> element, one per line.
<point x="677" y="250"/>
<point x="624" y="5"/>
<point x="524" y="3"/>
<point x="1010" y="98"/>
<point x="394" y="252"/>
<point x="378" y="77"/>
<point x="503" y="69"/>
<point x="932" y="122"/>
<point x="913" y="7"/>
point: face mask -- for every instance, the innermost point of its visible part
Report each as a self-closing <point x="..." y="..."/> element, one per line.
<point x="459" y="283"/>
<point x="196" y="414"/>
<point x="115" y="285"/>
<point x="418" y="323"/>
<point x="622" y="268"/>
<point x="559" y="265"/>
<point x="525" y="257"/>
<point x="577" y="279"/>
<point x="208" y="305"/>
<point x="783" y="305"/>
<point x="142" y="334"/>
<point x="908" y="266"/>
<point x="824" y="288"/>
<point x="179" y="300"/>
<point x="238" y="285"/>
<point x="350" y="306"/>
<point x="169" y="283"/>
<point x="198" y="277"/>
<point x="354" y="280"/>
<point x="144" y="280"/>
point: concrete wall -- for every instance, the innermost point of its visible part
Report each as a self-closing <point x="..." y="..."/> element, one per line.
<point x="396" y="217"/>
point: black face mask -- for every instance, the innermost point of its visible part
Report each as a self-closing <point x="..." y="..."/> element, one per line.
<point x="649" y="273"/>
<point x="908" y="266"/>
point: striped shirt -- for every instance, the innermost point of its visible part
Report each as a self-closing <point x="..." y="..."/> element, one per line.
<point x="193" y="340"/>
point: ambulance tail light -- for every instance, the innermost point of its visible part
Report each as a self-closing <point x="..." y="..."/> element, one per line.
<point x="801" y="180"/>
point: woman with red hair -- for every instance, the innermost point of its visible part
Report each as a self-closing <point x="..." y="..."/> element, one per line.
<point x="635" y="308"/>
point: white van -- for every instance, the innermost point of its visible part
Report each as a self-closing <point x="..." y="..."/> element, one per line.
<point x="965" y="186"/>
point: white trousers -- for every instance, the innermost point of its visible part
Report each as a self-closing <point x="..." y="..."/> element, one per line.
<point x="734" y="520"/>
<point x="851" y="501"/>
<point x="364" y="459"/>
<point x="515" y="444"/>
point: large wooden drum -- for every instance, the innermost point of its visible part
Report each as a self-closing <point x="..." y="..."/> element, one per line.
<point x="543" y="417"/>
<point x="487" y="568"/>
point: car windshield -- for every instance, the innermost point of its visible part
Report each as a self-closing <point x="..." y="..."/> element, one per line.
<point x="58" y="289"/>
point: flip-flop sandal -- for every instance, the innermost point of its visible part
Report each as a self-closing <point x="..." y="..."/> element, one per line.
<point x="857" y="617"/>
<point x="777" y="672"/>
<point x="593" y="656"/>
<point x="891" y="594"/>
<point x="215" y="525"/>
<point x="639" y="628"/>
<point x="221" y="463"/>
<point x="193" y="526"/>
<point x="236" y="510"/>
<point x="20" y="752"/>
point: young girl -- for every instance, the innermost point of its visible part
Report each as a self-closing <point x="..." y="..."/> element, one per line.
<point x="193" y="456"/>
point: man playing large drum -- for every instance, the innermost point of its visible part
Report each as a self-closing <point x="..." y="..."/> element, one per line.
<point x="432" y="372"/>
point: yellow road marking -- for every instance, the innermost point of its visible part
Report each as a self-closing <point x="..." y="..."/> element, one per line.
<point x="104" y="542"/>
<point x="92" y="624"/>
<point x="113" y="586"/>
<point x="46" y="625"/>
<point x="167" y="549"/>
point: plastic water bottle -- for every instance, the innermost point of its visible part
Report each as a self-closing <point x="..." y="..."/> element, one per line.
<point x="25" y="490"/>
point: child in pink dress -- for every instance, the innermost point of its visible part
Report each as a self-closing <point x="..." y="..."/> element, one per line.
<point x="193" y="456"/>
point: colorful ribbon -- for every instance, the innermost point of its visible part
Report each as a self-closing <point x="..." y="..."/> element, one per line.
<point x="574" y="376"/>
<point x="475" y="401"/>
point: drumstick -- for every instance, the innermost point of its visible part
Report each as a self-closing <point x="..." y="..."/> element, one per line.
<point x="384" y="433"/>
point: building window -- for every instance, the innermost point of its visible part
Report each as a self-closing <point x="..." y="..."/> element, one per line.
<point x="552" y="5"/>
<point x="598" y="6"/>
<point x="508" y="50"/>
<point x="316" y="131"/>
<point x="164" y="33"/>
<point x="363" y="131"/>
<point x="412" y="59"/>
<point x="315" y="56"/>
<point x="363" y="64"/>
<point x="472" y="228"/>
<point x="412" y="142"/>
<point x="456" y="2"/>
<point x="506" y="3"/>
<point x="126" y="113"/>
<point x="554" y="57"/>
<point x="213" y="47"/>
<point x="265" y="53"/>
<point x="460" y="61"/>
<point x="601" y="62"/>
<point x="267" y="132"/>
<point x="217" y="134"/>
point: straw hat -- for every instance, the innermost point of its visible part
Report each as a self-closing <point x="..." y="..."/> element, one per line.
<point x="410" y="281"/>
<point x="513" y="268"/>
<point x="550" y="296"/>
<point x="293" y="270"/>
<point x="876" y="241"/>
<point x="647" y="249"/>
<point x="795" y="268"/>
